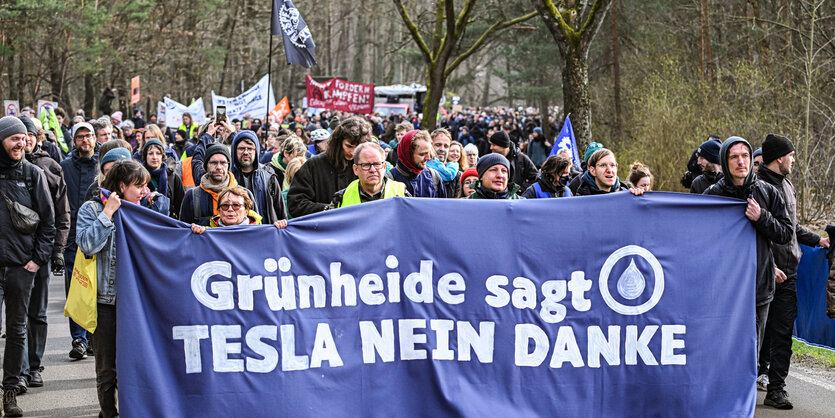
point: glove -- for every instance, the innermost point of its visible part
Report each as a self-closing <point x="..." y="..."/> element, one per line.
<point x="57" y="263"/>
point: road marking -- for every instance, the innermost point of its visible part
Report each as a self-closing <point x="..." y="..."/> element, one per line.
<point x="811" y="380"/>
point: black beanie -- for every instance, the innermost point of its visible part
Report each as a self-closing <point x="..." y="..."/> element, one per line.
<point x="216" y="149"/>
<point x="709" y="150"/>
<point x="484" y="163"/>
<point x="776" y="146"/>
<point x="500" y="139"/>
<point x="30" y="126"/>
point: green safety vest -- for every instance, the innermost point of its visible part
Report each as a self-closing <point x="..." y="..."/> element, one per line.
<point x="352" y="192"/>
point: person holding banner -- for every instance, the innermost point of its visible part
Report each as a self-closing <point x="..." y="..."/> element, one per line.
<point x="494" y="179"/>
<point x="323" y="175"/>
<point x="553" y="179"/>
<point x="414" y="151"/>
<point x="126" y="180"/>
<point x="371" y="184"/>
<point x="235" y="209"/>
<point x="767" y="212"/>
<point x="25" y="247"/>
<point x="200" y="203"/>
<point x="640" y="177"/>
<point x="601" y="177"/>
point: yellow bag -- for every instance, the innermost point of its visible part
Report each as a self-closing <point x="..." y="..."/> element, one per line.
<point x="81" y="300"/>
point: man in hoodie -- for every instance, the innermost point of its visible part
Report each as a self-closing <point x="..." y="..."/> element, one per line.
<point x="776" y="351"/>
<point x="767" y="212"/>
<point x="79" y="172"/>
<point x="708" y="158"/>
<point x="37" y="325"/>
<point x="414" y="151"/>
<point x="21" y="254"/>
<point x="522" y="171"/>
<point x="256" y="177"/>
<point x="200" y="203"/>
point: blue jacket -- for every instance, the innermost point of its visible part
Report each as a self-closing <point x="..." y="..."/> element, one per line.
<point x="79" y="174"/>
<point x="425" y="184"/>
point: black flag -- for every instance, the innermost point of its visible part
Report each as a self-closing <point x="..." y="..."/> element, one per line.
<point x="298" y="43"/>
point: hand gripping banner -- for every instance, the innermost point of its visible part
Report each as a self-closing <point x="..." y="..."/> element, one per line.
<point x="610" y="305"/>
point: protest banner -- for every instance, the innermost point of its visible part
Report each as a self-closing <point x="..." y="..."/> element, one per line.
<point x="256" y="101"/>
<point x="374" y="310"/>
<point x="42" y="104"/>
<point x="566" y="140"/>
<point x="174" y="112"/>
<point x="160" y="111"/>
<point x="12" y="107"/>
<point x="280" y="110"/>
<point x="134" y="90"/>
<point x="341" y="95"/>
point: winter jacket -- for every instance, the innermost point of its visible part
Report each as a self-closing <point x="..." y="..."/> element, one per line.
<point x="830" y="282"/>
<point x="773" y="226"/>
<point x="522" y="170"/>
<point x="427" y="183"/>
<point x="588" y="186"/>
<point x="95" y="237"/>
<point x="58" y="192"/>
<point x="314" y="185"/>
<point x="175" y="193"/>
<point x="537" y="151"/>
<point x="262" y="181"/>
<point x="512" y="193"/>
<point x="79" y="173"/>
<point x="703" y="181"/>
<point x="205" y="205"/>
<point x="545" y="188"/>
<point x="26" y="184"/>
<point x="787" y="256"/>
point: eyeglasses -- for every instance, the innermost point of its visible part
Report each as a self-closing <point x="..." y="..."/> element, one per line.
<point x="85" y="136"/>
<point x="605" y="165"/>
<point x="217" y="163"/>
<point x="246" y="150"/>
<point x="233" y="206"/>
<point x="367" y="166"/>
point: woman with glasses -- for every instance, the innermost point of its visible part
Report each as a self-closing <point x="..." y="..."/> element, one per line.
<point x="234" y="208"/>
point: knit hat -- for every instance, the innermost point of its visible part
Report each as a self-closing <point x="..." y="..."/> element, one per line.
<point x="500" y="139"/>
<point x="183" y="133"/>
<point x="709" y="150"/>
<point x="116" y="154"/>
<point x="470" y="172"/>
<point x="216" y="149"/>
<point x="594" y="146"/>
<point x="148" y="143"/>
<point x="10" y="125"/>
<point x="30" y="125"/>
<point x="117" y="116"/>
<point x="319" y="135"/>
<point x="776" y="146"/>
<point x="84" y="125"/>
<point x="757" y="152"/>
<point x="489" y="160"/>
<point x="537" y="130"/>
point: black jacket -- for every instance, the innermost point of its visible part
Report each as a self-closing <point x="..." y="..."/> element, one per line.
<point x="17" y="249"/>
<point x="522" y="170"/>
<point x="587" y="186"/>
<point x="787" y="256"/>
<point x="314" y="185"/>
<point x="58" y="191"/>
<point x="547" y="187"/>
<point x="703" y="181"/>
<point x="773" y="226"/>
<point x="79" y="173"/>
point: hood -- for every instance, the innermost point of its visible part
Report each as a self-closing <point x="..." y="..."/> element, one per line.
<point x="741" y="192"/>
<point x="37" y="154"/>
<point x="240" y="136"/>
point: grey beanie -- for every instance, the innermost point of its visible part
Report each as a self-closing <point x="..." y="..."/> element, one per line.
<point x="11" y="125"/>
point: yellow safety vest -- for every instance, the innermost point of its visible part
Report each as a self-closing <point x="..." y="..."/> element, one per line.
<point x="352" y="192"/>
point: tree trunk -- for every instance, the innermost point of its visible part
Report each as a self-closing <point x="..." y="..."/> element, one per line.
<point x="546" y="124"/>
<point x="577" y="99"/>
<point x="616" y="68"/>
<point x="435" y="83"/>
<point x="89" y="94"/>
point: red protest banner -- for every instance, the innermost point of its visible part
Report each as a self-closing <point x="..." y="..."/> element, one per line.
<point x="340" y="95"/>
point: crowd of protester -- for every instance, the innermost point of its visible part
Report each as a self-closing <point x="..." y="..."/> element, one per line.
<point x="74" y="174"/>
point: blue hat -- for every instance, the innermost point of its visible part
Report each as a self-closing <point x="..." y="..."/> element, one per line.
<point x="538" y="130"/>
<point x="116" y="154"/>
<point x="757" y="152"/>
<point x="594" y="146"/>
<point x="484" y="163"/>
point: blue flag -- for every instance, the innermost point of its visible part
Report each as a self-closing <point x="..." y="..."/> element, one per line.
<point x="298" y="42"/>
<point x="371" y="310"/>
<point x="566" y="140"/>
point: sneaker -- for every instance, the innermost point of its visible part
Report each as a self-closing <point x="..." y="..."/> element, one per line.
<point x="762" y="382"/>
<point x="90" y="350"/>
<point x="10" y="404"/>
<point x="35" y="379"/>
<point x="22" y="386"/>
<point x="79" y="349"/>
<point x="778" y="399"/>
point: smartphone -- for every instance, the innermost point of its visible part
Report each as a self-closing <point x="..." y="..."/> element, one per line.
<point x="220" y="115"/>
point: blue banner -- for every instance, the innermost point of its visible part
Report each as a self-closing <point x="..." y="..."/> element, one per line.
<point x="566" y="140"/>
<point x="610" y="305"/>
<point x="812" y="325"/>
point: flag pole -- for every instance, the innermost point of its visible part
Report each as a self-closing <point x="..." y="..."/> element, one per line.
<point x="270" y="67"/>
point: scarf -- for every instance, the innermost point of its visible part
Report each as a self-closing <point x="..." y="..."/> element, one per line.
<point x="159" y="179"/>
<point x="404" y="153"/>
<point x="588" y="178"/>
<point x="215" y="189"/>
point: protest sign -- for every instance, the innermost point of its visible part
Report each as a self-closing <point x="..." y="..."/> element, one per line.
<point x="134" y="90"/>
<point x="280" y="110"/>
<point x="160" y="111"/>
<point x="374" y="310"/>
<point x="12" y="107"/>
<point x="340" y="95"/>
<point x="174" y="112"/>
<point x="256" y="101"/>
<point x="42" y="104"/>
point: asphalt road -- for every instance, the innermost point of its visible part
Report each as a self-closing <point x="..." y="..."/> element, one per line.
<point x="70" y="385"/>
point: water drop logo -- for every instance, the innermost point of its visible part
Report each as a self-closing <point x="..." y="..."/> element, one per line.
<point x="631" y="283"/>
